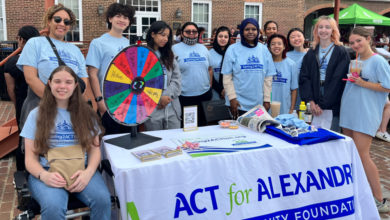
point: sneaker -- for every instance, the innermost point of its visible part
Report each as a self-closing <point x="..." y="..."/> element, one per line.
<point x="382" y="206"/>
<point x="383" y="136"/>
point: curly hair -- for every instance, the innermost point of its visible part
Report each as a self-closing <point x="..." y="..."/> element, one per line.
<point x="54" y="9"/>
<point x="85" y="121"/>
<point x="119" y="9"/>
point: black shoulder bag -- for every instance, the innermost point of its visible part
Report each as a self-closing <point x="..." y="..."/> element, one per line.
<point x="62" y="63"/>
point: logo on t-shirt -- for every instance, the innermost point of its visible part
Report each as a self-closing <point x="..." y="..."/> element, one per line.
<point x="66" y="57"/>
<point x="278" y="78"/>
<point x="64" y="134"/>
<point x="252" y="63"/>
<point x="217" y="70"/>
<point x="195" y="57"/>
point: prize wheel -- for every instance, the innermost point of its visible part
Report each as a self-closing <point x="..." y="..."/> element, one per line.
<point x="133" y="85"/>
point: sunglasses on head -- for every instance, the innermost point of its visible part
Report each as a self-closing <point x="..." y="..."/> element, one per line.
<point x="58" y="19"/>
<point x="191" y="31"/>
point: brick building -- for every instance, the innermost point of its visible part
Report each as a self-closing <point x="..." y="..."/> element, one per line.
<point x="206" y="13"/>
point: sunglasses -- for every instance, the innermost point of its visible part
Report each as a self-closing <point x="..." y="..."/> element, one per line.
<point x="191" y="31"/>
<point x="58" y="19"/>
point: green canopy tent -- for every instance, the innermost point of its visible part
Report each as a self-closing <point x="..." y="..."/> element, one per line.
<point x="356" y="14"/>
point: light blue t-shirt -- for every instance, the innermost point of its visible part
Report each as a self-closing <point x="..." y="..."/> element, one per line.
<point x="361" y="108"/>
<point x="297" y="57"/>
<point x="39" y="54"/>
<point x="285" y="80"/>
<point x="215" y="63"/>
<point x="62" y="136"/>
<point x="325" y="62"/>
<point x="194" y="62"/>
<point x="101" y="52"/>
<point x="249" y="67"/>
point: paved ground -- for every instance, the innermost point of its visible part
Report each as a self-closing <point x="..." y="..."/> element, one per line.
<point x="8" y="200"/>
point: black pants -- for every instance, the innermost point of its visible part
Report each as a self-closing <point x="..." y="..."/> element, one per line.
<point x="197" y="100"/>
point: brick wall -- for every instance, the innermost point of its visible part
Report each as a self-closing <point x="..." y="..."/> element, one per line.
<point x="287" y="14"/>
<point x="23" y="12"/>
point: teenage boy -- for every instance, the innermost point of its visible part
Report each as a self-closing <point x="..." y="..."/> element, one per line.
<point x="101" y="51"/>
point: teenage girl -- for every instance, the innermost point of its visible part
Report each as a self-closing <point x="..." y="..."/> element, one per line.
<point x="168" y="112"/>
<point x="220" y="44"/>
<point x="285" y="82"/>
<point x="362" y="105"/>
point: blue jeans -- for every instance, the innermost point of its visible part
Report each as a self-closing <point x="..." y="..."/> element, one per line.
<point x="54" y="201"/>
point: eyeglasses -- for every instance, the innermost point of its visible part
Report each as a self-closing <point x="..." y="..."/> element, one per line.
<point x="191" y="31"/>
<point x="58" y="19"/>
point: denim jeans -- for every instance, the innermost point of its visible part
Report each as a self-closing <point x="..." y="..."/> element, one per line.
<point x="54" y="201"/>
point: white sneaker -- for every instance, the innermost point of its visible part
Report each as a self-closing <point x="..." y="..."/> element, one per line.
<point x="382" y="206"/>
<point x="383" y="136"/>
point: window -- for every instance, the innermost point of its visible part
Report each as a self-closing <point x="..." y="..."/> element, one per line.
<point x="146" y="12"/>
<point x="254" y="10"/>
<point x="143" y="5"/>
<point x="3" y="26"/>
<point x="76" y="33"/>
<point x="201" y="15"/>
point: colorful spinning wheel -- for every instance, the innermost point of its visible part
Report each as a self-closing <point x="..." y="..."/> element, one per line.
<point x="133" y="85"/>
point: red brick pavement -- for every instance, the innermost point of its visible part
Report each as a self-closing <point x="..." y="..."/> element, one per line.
<point x="8" y="200"/>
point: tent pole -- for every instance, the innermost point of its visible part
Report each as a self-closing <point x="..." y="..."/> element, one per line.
<point x="336" y="10"/>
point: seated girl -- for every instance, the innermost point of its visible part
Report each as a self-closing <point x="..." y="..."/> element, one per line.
<point x="63" y="119"/>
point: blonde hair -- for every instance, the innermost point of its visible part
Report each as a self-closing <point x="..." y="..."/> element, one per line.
<point x="54" y="9"/>
<point x="335" y="37"/>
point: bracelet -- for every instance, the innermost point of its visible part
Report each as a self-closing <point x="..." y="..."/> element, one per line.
<point x="39" y="175"/>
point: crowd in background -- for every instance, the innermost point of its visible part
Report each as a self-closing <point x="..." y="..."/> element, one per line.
<point x="260" y="66"/>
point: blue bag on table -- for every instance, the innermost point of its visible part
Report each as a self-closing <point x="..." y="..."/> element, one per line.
<point x="319" y="136"/>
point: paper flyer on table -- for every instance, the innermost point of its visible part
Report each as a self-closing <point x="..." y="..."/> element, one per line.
<point x="220" y="142"/>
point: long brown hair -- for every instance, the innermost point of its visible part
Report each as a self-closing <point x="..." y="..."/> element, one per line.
<point x="364" y="32"/>
<point x="335" y="37"/>
<point x="85" y="122"/>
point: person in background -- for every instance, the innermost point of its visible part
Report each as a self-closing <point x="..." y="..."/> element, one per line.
<point x="196" y="73"/>
<point x="362" y="104"/>
<point x="178" y="35"/>
<point x="168" y="112"/>
<point x="323" y="68"/>
<point x="101" y="51"/>
<point x="382" y="131"/>
<point x="16" y="84"/>
<point x="285" y="82"/>
<point x="64" y="119"/>
<point x="270" y="28"/>
<point x="200" y="35"/>
<point x="247" y="69"/>
<point x="385" y="40"/>
<point x="38" y="59"/>
<point x="220" y="44"/>
<point x="296" y="41"/>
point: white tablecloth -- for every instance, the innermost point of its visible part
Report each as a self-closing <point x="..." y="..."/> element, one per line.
<point x="285" y="181"/>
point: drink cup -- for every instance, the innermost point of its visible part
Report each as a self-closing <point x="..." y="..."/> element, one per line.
<point x="275" y="108"/>
<point x="355" y="68"/>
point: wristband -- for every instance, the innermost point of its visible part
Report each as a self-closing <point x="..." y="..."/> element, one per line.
<point x="39" y="175"/>
<point x="99" y="98"/>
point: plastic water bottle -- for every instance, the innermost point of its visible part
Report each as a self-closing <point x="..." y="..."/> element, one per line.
<point x="302" y="110"/>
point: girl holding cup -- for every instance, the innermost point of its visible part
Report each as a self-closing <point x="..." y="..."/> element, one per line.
<point x="362" y="104"/>
<point x="285" y="82"/>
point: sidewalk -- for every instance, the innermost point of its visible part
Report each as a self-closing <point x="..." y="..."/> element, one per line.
<point x="8" y="199"/>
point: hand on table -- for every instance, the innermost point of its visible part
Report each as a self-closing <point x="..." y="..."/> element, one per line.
<point x="315" y="109"/>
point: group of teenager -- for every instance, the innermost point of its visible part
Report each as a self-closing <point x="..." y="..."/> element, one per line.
<point x="245" y="74"/>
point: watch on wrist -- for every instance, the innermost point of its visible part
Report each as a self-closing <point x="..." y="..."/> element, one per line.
<point x="99" y="98"/>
